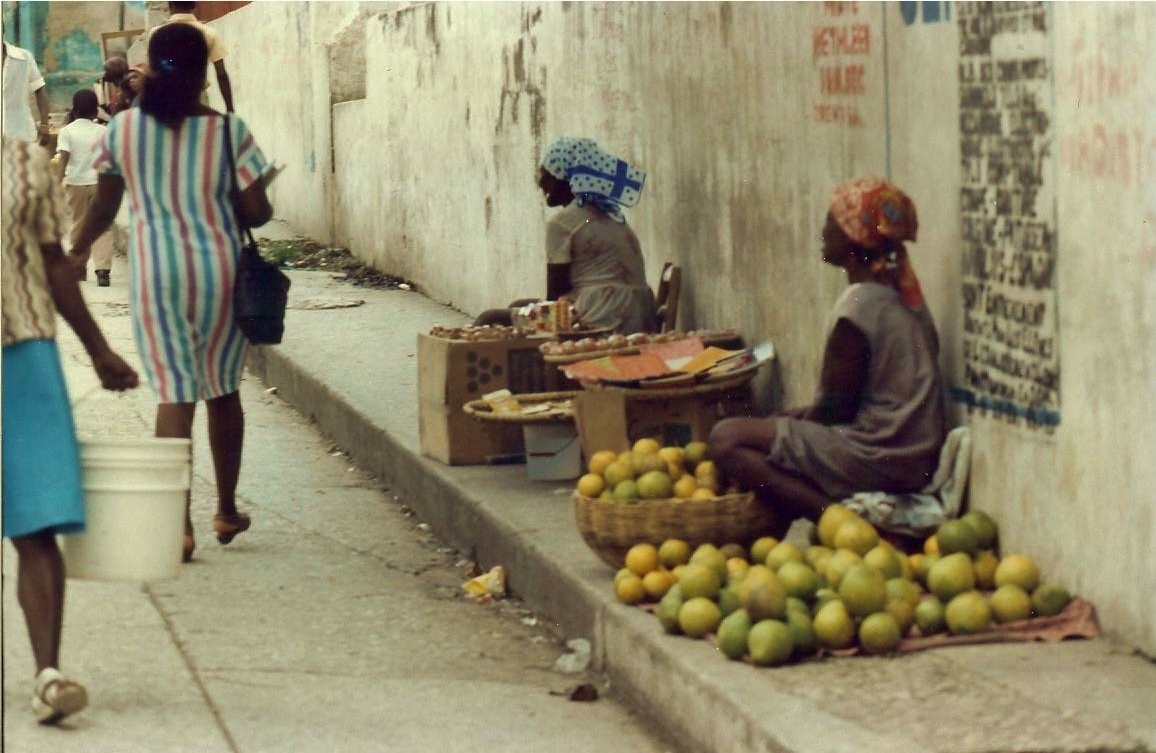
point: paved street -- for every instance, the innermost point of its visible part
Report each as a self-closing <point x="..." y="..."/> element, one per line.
<point x="336" y="624"/>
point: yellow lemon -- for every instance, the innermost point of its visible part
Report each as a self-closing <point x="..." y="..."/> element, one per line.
<point x="648" y="445"/>
<point x="880" y="633"/>
<point x="622" y="573"/>
<point x="591" y="485"/>
<point x="657" y="583"/>
<point x="951" y="576"/>
<point x="699" y="616"/>
<point x="617" y="472"/>
<point x="884" y="559"/>
<point x="931" y="545"/>
<point x="833" y="625"/>
<point x="737" y="569"/>
<point x="841" y="561"/>
<point x="781" y="553"/>
<point x="599" y="460"/>
<point x="674" y="456"/>
<point x="968" y="613"/>
<point x="711" y="556"/>
<point x="626" y="491"/>
<point x="673" y="552"/>
<point x="833" y="516"/>
<point x="685" y="487"/>
<point x="857" y="535"/>
<point x="645" y="462"/>
<point x="1050" y="599"/>
<point x="956" y="536"/>
<point x="697" y="579"/>
<point x="655" y="485"/>
<point x="1010" y="603"/>
<point x="630" y="590"/>
<point x="706" y="469"/>
<point x="695" y="453"/>
<point x="642" y="559"/>
<point x="929" y="616"/>
<point x="770" y="643"/>
<point x="984" y="563"/>
<point x="863" y="590"/>
<point x="702" y="492"/>
<point x="1019" y="569"/>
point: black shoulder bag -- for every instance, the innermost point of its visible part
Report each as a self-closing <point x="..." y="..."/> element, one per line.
<point x="261" y="289"/>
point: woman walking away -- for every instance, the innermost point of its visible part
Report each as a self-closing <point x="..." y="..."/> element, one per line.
<point x="41" y="483"/>
<point x="877" y="423"/>
<point x="76" y="145"/>
<point x="187" y="206"/>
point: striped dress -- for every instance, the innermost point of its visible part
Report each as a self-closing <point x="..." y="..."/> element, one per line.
<point x="183" y="246"/>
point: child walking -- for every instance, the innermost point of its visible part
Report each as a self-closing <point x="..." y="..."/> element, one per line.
<point x="76" y="145"/>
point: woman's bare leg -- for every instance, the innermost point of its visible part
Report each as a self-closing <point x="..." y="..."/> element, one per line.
<point x="40" y="591"/>
<point x="226" y="438"/>
<point x="175" y="420"/>
<point x="739" y="448"/>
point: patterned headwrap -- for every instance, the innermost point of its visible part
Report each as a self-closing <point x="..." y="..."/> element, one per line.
<point x="872" y="212"/>
<point x="594" y="176"/>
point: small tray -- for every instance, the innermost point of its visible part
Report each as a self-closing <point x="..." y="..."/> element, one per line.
<point x="480" y="409"/>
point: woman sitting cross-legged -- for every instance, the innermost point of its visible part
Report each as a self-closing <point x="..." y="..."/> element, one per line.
<point x="877" y="423"/>
<point x="593" y="258"/>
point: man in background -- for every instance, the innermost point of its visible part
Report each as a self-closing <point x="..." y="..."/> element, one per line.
<point x="21" y="79"/>
<point x="185" y="13"/>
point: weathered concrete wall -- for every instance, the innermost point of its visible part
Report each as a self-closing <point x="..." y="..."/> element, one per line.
<point x="1024" y="132"/>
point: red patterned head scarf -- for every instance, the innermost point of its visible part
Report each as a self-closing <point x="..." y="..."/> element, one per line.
<point x="877" y="215"/>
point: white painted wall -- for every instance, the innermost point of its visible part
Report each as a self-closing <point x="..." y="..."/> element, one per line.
<point x="723" y="104"/>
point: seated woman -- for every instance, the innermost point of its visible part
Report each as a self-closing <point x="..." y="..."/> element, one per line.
<point x="593" y="258"/>
<point x="877" y="423"/>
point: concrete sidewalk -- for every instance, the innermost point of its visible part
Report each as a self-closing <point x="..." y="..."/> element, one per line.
<point x="354" y="371"/>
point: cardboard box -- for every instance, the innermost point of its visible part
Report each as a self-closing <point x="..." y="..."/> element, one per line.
<point x="553" y="452"/>
<point x="612" y="419"/>
<point x="451" y="373"/>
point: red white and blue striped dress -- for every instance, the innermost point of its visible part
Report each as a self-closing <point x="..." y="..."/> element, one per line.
<point x="183" y="246"/>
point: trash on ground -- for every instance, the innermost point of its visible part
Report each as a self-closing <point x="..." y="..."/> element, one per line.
<point x="488" y="586"/>
<point x="582" y="693"/>
<point x="576" y="661"/>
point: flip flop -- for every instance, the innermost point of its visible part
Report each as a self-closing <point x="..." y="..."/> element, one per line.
<point x="228" y="526"/>
<point x="56" y="697"/>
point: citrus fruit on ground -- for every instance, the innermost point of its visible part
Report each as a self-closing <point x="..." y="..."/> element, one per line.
<point x="903" y="613"/>
<point x="782" y="552"/>
<point x="732" y="634"/>
<point x="673" y="552"/>
<point x="668" y="609"/>
<point x="703" y="492"/>
<point x="833" y="516"/>
<point x="925" y="566"/>
<point x="769" y="643"/>
<point x="643" y="463"/>
<point x="728" y="598"/>
<point x="591" y="485"/>
<point x="1019" y="569"/>
<point x="647" y="445"/>
<point x="956" y="536"/>
<point x="863" y="590"/>
<point x="626" y="491"/>
<point x="879" y="633"/>
<point x="1010" y="603"/>
<point x="950" y="576"/>
<point x="884" y="559"/>
<point x="799" y="580"/>
<point x="733" y="550"/>
<point x="968" y="613"/>
<point x="655" y="485"/>
<point x="737" y="569"/>
<point x="616" y="473"/>
<point x="929" y="616"/>
<point x="657" y="583"/>
<point x="802" y="632"/>
<point x="685" y="487"/>
<point x="986" y="530"/>
<point x="984" y="563"/>
<point x="709" y="554"/>
<point x="630" y="590"/>
<point x="857" y="535"/>
<point x="699" y="616"/>
<point x="931" y="545"/>
<point x="765" y="599"/>
<point x="600" y="460"/>
<point x="642" y="559"/>
<point x="841" y="561"/>
<point x="905" y="590"/>
<point x="698" y="579"/>
<point x="761" y="547"/>
<point x="1050" y="599"/>
<point x="833" y="625"/>
<point x="695" y="453"/>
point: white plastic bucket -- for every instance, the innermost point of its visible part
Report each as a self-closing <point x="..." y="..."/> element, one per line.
<point x="134" y="498"/>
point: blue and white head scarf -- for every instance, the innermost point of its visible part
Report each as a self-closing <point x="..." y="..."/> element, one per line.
<point x="595" y="177"/>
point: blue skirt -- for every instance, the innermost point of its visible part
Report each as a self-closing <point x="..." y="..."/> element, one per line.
<point x="41" y="472"/>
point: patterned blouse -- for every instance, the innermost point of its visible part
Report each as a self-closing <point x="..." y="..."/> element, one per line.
<point x="33" y="209"/>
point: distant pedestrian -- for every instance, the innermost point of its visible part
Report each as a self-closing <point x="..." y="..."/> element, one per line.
<point x="76" y="145"/>
<point x="22" y="79"/>
<point x="133" y="83"/>
<point x="170" y="156"/>
<point x="186" y="13"/>
<point x="108" y="88"/>
<point x="41" y="458"/>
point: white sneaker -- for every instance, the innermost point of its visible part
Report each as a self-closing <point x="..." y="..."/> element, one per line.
<point x="54" y="696"/>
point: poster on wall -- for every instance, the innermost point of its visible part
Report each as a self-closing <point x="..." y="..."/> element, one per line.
<point x="1010" y="342"/>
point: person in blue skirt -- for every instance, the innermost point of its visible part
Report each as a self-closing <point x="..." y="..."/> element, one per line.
<point x="41" y="459"/>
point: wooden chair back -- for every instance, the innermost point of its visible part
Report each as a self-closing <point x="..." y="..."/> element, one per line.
<point x="667" y="295"/>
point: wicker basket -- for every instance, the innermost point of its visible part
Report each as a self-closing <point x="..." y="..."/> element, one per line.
<point x="610" y="528"/>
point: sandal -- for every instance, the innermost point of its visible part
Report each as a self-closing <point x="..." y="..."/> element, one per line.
<point x="56" y="697"/>
<point x="228" y="526"/>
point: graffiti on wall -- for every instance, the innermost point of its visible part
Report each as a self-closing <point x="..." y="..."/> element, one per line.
<point x="1010" y="341"/>
<point x="840" y="46"/>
